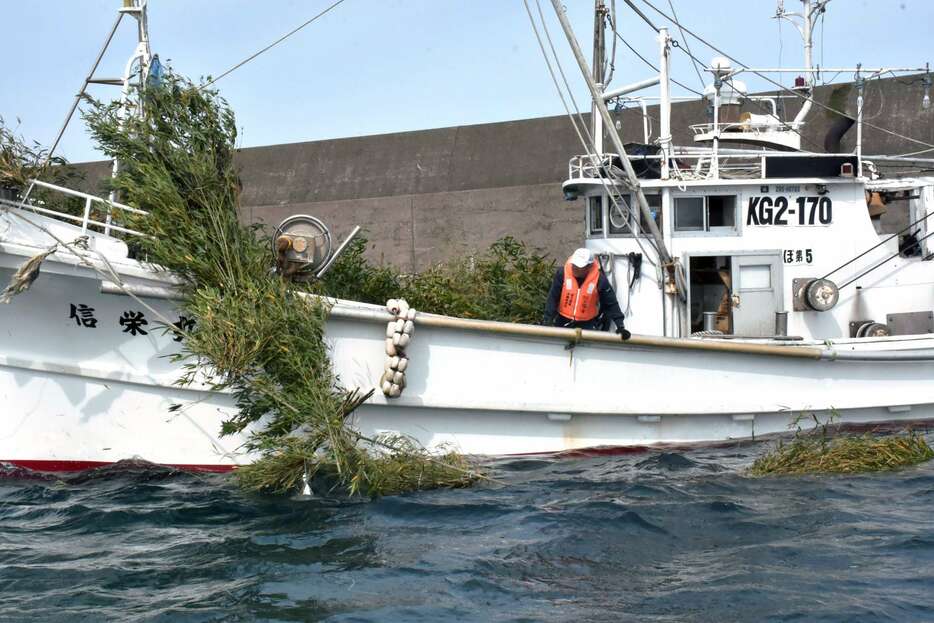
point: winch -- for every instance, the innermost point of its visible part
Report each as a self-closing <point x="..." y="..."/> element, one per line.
<point x="302" y="247"/>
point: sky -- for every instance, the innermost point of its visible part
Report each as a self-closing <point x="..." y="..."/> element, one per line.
<point x="379" y="66"/>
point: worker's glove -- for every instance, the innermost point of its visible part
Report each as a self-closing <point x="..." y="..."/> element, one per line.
<point x="623" y="333"/>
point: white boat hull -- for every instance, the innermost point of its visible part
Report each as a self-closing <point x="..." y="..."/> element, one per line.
<point x="76" y="396"/>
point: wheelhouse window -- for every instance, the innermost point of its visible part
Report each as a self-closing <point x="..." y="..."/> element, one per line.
<point x="689" y="214"/>
<point x="595" y="216"/>
<point x="621" y="221"/>
<point x="655" y="209"/>
<point x="622" y="216"/>
<point x="712" y="213"/>
<point x="721" y="212"/>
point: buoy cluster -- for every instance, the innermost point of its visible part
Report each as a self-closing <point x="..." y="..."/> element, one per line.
<point x="398" y="335"/>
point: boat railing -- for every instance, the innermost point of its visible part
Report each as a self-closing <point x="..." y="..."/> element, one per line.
<point x="590" y="165"/>
<point x="85" y="220"/>
<point x="769" y="125"/>
<point x="689" y="165"/>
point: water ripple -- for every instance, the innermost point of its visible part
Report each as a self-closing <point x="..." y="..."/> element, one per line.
<point x="657" y="536"/>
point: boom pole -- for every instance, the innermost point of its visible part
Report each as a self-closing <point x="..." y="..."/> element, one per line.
<point x="601" y="108"/>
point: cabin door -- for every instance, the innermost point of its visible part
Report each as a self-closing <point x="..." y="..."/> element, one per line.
<point x="756" y="294"/>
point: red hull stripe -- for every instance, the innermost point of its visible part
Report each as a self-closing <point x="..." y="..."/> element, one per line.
<point x="77" y="466"/>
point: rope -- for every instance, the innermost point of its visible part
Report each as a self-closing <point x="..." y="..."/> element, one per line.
<point x="873" y="248"/>
<point x="111" y="275"/>
<point x="655" y="68"/>
<point x="270" y="46"/>
<point x="554" y="79"/>
<point x="612" y="60"/>
<point x="885" y="261"/>
<point x="687" y="50"/>
<point x="71" y="112"/>
<point x="588" y="144"/>
<point x="694" y="60"/>
<point x="25" y="275"/>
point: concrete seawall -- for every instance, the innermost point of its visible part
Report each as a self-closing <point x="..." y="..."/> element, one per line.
<point x="430" y="195"/>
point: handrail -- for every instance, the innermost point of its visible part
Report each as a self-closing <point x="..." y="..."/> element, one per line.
<point x="77" y="193"/>
<point x="743" y="126"/>
<point x="85" y="220"/>
<point x="574" y="336"/>
<point x="371" y="313"/>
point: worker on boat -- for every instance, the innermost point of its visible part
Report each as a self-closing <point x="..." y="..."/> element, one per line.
<point x="581" y="297"/>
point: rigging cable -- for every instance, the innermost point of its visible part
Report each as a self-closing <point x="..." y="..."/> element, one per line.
<point x="756" y="103"/>
<point x="883" y="262"/>
<point x="762" y="107"/>
<point x="693" y="59"/>
<point x="554" y="78"/>
<point x="270" y="46"/>
<point x="650" y="64"/>
<point x="768" y="79"/>
<point x="612" y="62"/>
<point x="541" y="15"/>
<point x="873" y="248"/>
<point x="71" y="111"/>
<point x="588" y="145"/>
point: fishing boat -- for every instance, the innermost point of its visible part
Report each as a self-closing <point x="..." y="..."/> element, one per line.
<point x="756" y="279"/>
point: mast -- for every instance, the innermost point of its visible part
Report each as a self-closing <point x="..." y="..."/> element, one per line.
<point x="664" y="103"/>
<point x="599" y="53"/>
<point x="806" y="30"/>
<point x="143" y="56"/>
<point x="600" y="105"/>
<point x="808" y="76"/>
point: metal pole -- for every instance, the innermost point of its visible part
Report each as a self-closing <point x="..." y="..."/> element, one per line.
<point x="808" y="71"/>
<point x="664" y="105"/>
<point x="859" y="127"/>
<point x="144" y="55"/>
<point x="630" y="88"/>
<point x="599" y="104"/>
<point x="645" y="122"/>
<point x="337" y="253"/>
<point x="598" y="53"/>
<point x="808" y="42"/>
<point x="715" y="161"/>
<point x="74" y="105"/>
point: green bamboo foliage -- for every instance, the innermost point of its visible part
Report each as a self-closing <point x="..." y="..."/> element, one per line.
<point x="252" y="335"/>
<point x="818" y="451"/>
<point x="508" y="282"/>
<point x="21" y="161"/>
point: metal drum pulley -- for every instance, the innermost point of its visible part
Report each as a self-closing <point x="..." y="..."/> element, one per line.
<point x="821" y="294"/>
<point x="872" y="329"/>
<point x="301" y="245"/>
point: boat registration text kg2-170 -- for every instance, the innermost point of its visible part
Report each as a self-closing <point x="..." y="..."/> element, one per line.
<point x="780" y="210"/>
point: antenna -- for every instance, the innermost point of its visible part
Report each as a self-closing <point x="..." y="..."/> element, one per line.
<point x="804" y="23"/>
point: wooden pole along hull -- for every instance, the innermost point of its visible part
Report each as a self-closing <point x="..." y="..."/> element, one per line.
<point x="86" y="378"/>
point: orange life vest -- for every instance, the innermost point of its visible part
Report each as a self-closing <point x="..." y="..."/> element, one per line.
<point x="580" y="302"/>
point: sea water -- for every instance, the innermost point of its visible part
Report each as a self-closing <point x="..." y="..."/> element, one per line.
<point x="655" y="536"/>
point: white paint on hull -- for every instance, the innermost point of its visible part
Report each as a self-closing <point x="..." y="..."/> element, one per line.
<point x="78" y="393"/>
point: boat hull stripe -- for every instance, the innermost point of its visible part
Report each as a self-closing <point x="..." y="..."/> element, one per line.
<point x="77" y="466"/>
